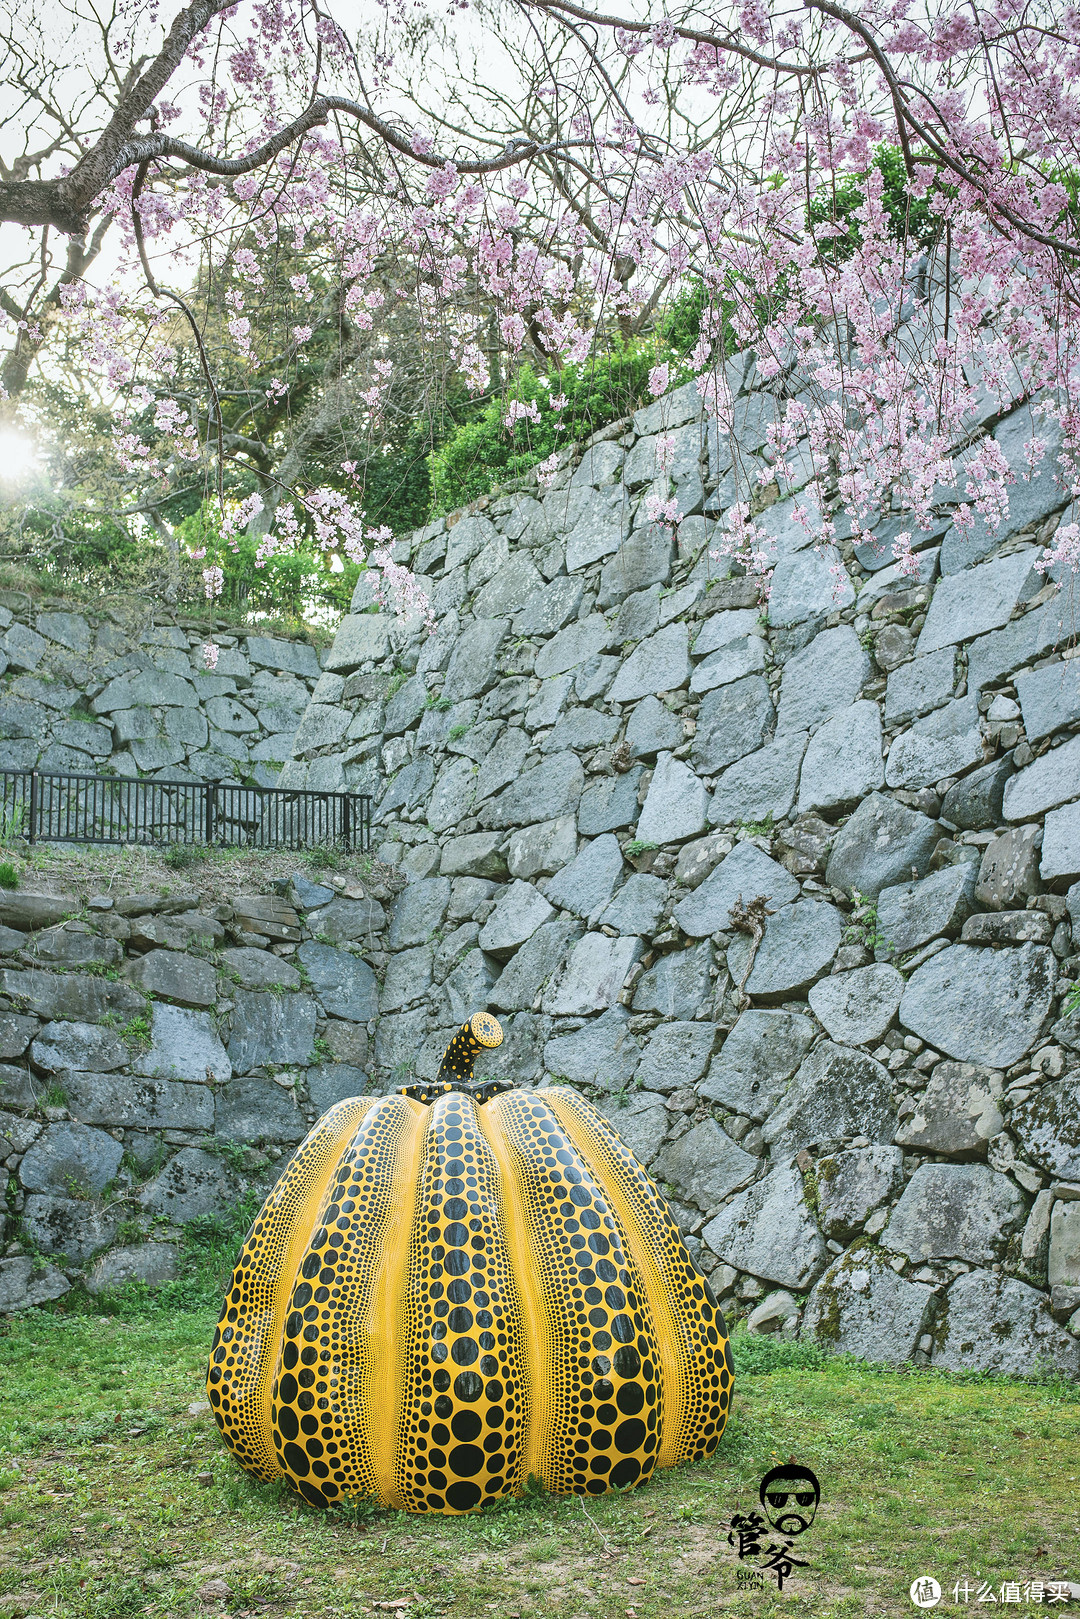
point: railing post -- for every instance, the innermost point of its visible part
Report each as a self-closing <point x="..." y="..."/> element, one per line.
<point x="347" y="802"/>
<point x="33" y="806"/>
<point x="211" y="795"/>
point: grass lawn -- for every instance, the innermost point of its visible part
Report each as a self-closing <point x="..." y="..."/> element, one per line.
<point x="116" y="1500"/>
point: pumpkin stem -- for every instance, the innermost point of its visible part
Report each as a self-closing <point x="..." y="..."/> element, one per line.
<point x="481" y="1032"/>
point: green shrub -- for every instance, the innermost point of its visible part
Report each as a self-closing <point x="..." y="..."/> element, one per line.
<point x="9" y="877"/>
<point x="910" y="218"/>
<point x="483" y="451"/>
<point x="756" y="1354"/>
<point x="322" y="858"/>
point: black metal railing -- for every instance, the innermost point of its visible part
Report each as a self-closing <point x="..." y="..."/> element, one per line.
<point x="51" y="807"/>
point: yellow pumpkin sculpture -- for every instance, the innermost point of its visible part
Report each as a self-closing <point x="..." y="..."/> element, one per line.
<point x="457" y="1286"/>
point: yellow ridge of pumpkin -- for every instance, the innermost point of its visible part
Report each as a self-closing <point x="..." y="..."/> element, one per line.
<point x="523" y="1245"/>
<point x="599" y="1364"/>
<point x="245" y="1356"/>
<point x="387" y="1326"/>
<point x="465" y="1408"/>
<point x="336" y="1391"/>
<point x="689" y="1325"/>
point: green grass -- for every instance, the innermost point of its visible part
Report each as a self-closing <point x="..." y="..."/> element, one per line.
<point x="116" y="1501"/>
<point x="182" y="856"/>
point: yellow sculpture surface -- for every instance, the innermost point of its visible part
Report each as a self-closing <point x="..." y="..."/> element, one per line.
<point x="457" y="1286"/>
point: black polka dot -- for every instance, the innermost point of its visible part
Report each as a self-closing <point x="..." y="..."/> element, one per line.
<point x="468" y="1386"/>
<point x="462" y="1495"/>
<point x="465" y="1460"/>
<point x="296" y="1460"/>
<point x="466" y="1425"/>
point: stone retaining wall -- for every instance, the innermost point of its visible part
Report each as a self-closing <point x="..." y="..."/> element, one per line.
<point x="119" y="693"/>
<point x="610" y="759"/>
<point x="159" y="1055"/>
<point x="789" y="892"/>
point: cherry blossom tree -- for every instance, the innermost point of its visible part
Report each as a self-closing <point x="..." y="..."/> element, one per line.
<point x="618" y="158"/>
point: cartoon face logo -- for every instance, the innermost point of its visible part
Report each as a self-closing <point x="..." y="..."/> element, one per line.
<point x="790" y="1496"/>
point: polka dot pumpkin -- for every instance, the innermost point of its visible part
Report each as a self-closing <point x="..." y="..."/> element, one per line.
<point x="457" y="1286"/>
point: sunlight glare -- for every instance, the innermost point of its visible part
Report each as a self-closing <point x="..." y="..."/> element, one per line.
<point x="18" y="457"/>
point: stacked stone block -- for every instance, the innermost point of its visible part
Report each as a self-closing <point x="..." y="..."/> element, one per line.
<point x="92" y="694"/>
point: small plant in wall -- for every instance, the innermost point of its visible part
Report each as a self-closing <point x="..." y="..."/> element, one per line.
<point x="758" y="829"/>
<point x="233" y="1154"/>
<point x="136" y="1033"/>
<point x="638" y="846"/>
<point x="864" y="928"/>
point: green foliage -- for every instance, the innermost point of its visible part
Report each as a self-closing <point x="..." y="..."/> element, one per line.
<point x="9" y="877"/>
<point x="208" y="1251"/>
<point x="863" y="928"/>
<point x="11" y="823"/>
<point x="757" y="1354"/>
<point x="482" y="451"/>
<point x="180" y="856"/>
<point x="680" y="325"/>
<point x="1071" y="1003"/>
<point x="131" y="1231"/>
<point x="456" y="732"/>
<point x="136" y="1032"/>
<point x="758" y="829"/>
<point x="397" y="481"/>
<point x="638" y="846"/>
<point x="55" y="1096"/>
<point x="910" y="218"/>
<point x="323" y="857"/>
<point x="232" y="1153"/>
<point x="95" y="551"/>
<point x="291" y="582"/>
